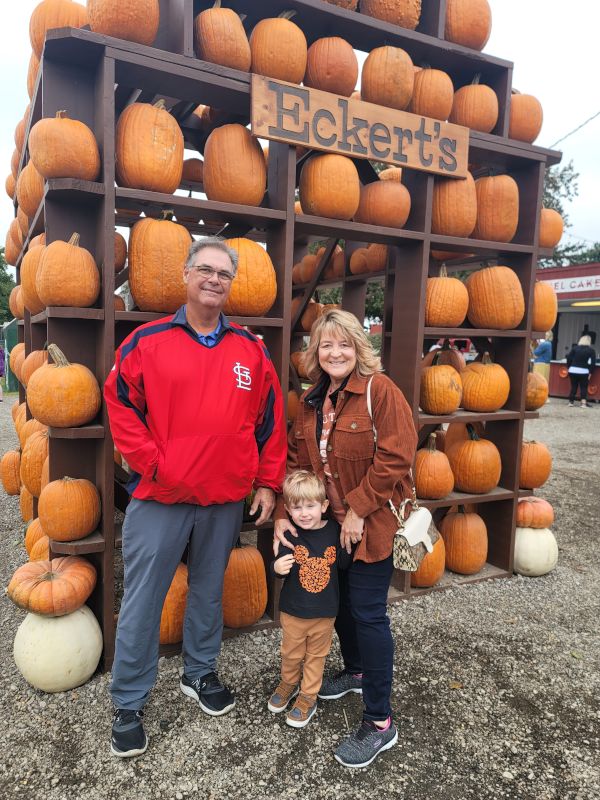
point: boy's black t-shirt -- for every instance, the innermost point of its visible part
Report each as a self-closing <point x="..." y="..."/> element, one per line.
<point x="310" y="590"/>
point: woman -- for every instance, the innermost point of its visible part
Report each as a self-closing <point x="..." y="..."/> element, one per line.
<point x="333" y="436"/>
<point x="542" y="355"/>
<point x="581" y="360"/>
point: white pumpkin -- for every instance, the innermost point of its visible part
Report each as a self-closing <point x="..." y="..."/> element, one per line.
<point x="58" y="653"/>
<point x="536" y="551"/>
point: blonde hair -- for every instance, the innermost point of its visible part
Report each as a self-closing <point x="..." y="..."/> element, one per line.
<point x="303" y="485"/>
<point x="342" y="325"/>
<point x="549" y="336"/>
<point x="585" y="340"/>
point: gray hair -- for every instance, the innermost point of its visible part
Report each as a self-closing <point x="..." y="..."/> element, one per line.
<point x="585" y="340"/>
<point x="218" y="243"/>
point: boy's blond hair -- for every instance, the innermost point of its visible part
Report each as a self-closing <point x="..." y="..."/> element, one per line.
<point x="303" y="485"/>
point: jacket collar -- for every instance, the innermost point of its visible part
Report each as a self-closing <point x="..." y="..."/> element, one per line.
<point x="180" y="318"/>
<point x="354" y="383"/>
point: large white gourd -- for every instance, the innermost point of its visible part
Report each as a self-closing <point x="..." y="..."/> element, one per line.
<point x="536" y="551"/>
<point x="58" y="653"/>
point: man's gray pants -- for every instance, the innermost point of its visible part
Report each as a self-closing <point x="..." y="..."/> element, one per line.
<point x="155" y="536"/>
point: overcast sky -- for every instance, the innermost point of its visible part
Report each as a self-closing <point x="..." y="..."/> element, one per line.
<point x="544" y="39"/>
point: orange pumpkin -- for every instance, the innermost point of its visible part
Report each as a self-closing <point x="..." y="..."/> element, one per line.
<point x="486" y="385"/>
<point x="34" y="454"/>
<point x="16" y="359"/>
<point x="149" y="148"/>
<point x="120" y="252"/>
<point x="50" y="14"/>
<point x="405" y="13"/>
<point x="64" y="148"/>
<point x="67" y="275"/>
<point x="311" y="314"/>
<point x="15" y="304"/>
<point x="495" y="298"/>
<point x="534" y="512"/>
<point x="468" y="22"/>
<point x="331" y="66"/>
<point x="476" y="107"/>
<point x="53" y="588"/>
<point x="433" y="94"/>
<point x="441" y="389"/>
<point x="10" y="472"/>
<point x="536" y="396"/>
<point x="551" y="228"/>
<point x="69" y="509"/>
<point x="476" y="464"/>
<point x="254" y="288"/>
<point x="536" y="465"/>
<point x="45" y="472"/>
<point x="497" y="208"/>
<point x="23" y="222"/>
<point x="388" y="77"/>
<point x="391" y="174"/>
<point x="330" y="187"/>
<point x="545" y="307"/>
<point x="279" y="49"/>
<point x="297" y="361"/>
<point x="11" y="186"/>
<point x="26" y="504"/>
<point x="173" y="611"/>
<point x="40" y="550"/>
<point x="445" y="355"/>
<point x="377" y="257"/>
<point x="431" y="569"/>
<point x="446" y="301"/>
<point x="33" y="534"/>
<point x="235" y="170"/>
<point x="30" y="266"/>
<point x="358" y="261"/>
<point x="157" y="252"/>
<point x="526" y="117"/>
<point x="33" y="69"/>
<point x="466" y="540"/>
<point x="244" y="588"/>
<point x="134" y="21"/>
<point x="454" y="211"/>
<point x="221" y="38"/>
<point x="383" y="203"/>
<point x="61" y="394"/>
<point x="30" y="190"/>
<point x="29" y="427"/>
<point x="433" y="476"/>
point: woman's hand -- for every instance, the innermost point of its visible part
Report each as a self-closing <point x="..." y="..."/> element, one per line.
<point x="352" y="530"/>
<point x="282" y="526"/>
<point x="284" y="564"/>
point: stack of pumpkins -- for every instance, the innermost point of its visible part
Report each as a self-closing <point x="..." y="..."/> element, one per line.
<point x="536" y="550"/>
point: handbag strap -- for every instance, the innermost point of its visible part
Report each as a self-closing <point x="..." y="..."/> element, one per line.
<point x="398" y="513"/>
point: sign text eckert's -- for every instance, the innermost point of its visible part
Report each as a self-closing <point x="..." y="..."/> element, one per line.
<point x="319" y="120"/>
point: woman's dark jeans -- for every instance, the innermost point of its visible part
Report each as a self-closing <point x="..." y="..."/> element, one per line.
<point x="363" y="628"/>
<point x="580" y="381"/>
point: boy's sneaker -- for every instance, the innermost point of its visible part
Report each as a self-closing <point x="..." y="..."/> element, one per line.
<point x="340" y="684"/>
<point x="280" y="699"/>
<point x="364" y="745"/>
<point x="213" y="698"/>
<point x="128" y="736"/>
<point x="302" y="711"/>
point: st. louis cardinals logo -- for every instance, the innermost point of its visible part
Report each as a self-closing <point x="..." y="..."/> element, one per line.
<point x="244" y="379"/>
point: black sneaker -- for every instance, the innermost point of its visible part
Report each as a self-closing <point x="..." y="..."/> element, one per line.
<point x="364" y="745"/>
<point x="128" y="737"/>
<point x="213" y="698"/>
<point x="338" y="685"/>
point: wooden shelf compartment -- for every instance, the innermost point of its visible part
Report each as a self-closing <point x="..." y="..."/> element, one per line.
<point x="482" y="247"/>
<point x="83" y="432"/>
<point x="64" y="312"/>
<point x="308" y="225"/>
<point x="464" y="498"/>
<point x="94" y="543"/>
<point x="473" y="333"/>
<point x="468" y="416"/>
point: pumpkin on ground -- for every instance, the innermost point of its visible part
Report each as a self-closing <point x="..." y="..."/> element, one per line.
<point x="279" y="49"/>
<point x="441" y="389"/>
<point x="134" y="21"/>
<point x="173" y="611"/>
<point x="468" y="23"/>
<point x="332" y="66"/>
<point x="536" y="551"/>
<point x="526" y="117"/>
<point x="433" y="94"/>
<point x="64" y="148"/>
<point x="433" y="475"/>
<point x="244" y="588"/>
<point x="384" y="203"/>
<point x="61" y="394"/>
<point x="157" y="251"/>
<point x="405" y="13"/>
<point x="254" y="288"/>
<point x="10" y="472"/>
<point x="466" y="540"/>
<point x="221" y="39"/>
<point x="431" y="569"/>
<point x="475" y="106"/>
<point x="149" y="148"/>
<point x="495" y="298"/>
<point x="56" y="654"/>
<point x="235" y="170"/>
<point x="69" y="509"/>
<point x="67" y="275"/>
<point x="330" y="187"/>
<point x="486" y="385"/>
<point x="551" y="228"/>
<point x="476" y="464"/>
<point x="534" y="512"/>
<point x="536" y="465"/>
<point x="454" y="211"/>
<point x="537" y="391"/>
<point x="497" y="208"/>
<point x="446" y="301"/>
<point x="388" y="77"/>
<point x="53" y="588"/>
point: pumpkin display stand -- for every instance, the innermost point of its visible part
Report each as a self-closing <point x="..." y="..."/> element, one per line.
<point x="95" y="77"/>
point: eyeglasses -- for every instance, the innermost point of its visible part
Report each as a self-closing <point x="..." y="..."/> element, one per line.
<point x="208" y="272"/>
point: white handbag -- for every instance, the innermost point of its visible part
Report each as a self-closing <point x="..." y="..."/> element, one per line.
<point x="416" y="534"/>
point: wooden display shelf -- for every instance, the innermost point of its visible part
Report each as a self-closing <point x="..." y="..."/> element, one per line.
<point x="307" y="225"/>
<point x="149" y="316"/>
<point x="472" y="333"/>
<point x="464" y="498"/>
<point x="94" y="543"/>
<point x="63" y="188"/>
<point x="531" y="414"/>
<point x="467" y="416"/>
<point x="481" y="247"/>
<point x="64" y="312"/>
<point x="83" y="432"/>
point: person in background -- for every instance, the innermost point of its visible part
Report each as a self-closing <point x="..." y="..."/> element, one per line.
<point x="2" y="370"/>
<point x="581" y="360"/>
<point x="542" y="355"/>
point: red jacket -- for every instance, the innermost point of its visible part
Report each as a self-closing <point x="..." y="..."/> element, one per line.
<point x="197" y="424"/>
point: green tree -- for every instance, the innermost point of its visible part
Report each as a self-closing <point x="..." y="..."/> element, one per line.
<point x="373" y="300"/>
<point x="6" y="286"/>
<point x="560" y="187"/>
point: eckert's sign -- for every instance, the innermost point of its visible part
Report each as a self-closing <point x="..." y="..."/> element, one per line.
<point x="319" y="120"/>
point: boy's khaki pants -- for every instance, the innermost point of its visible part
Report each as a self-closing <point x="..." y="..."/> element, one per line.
<point x="308" y="641"/>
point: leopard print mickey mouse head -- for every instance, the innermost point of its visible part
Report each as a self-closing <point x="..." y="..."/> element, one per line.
<point x="314" y="572"/>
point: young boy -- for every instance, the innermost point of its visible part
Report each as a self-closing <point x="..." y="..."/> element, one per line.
<point x="309" y="597"/>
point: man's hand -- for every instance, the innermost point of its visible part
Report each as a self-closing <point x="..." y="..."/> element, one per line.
<point x="265" y="498"/>
<point x="282" y="526"/>
<point x="284" y="564"/>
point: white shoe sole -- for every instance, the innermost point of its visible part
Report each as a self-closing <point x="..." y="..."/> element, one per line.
<point x="337" y="696"/>
<point x="189" y="692"/>
<point x="293" y="724"/>
<point x="129" y="753"/>
<point x="279" y="709"/>
<point x="387" y="746"/>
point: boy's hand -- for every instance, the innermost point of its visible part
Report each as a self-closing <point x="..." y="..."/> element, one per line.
<point x="284" y="564"/>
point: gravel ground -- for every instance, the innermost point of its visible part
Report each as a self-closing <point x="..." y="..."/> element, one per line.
<point x="496" y="693"/>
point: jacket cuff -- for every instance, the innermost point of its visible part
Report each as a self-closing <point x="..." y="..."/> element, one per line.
<point x="360" y="504"/>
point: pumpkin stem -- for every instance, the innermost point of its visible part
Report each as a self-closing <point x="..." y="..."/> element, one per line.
<point x="486" y="358"/>
<point x="476" y="79"/>
<point x="57" y="355"/>
<point x="436" y="357"/>
<point x="74" y="240"/>
<point x="61" y="114"/>
<point x="443" y="271"/>
<point x="431" y="442"/>
<point x="160" y="104"/>
<point x="287" y="14"/>
<point x="217" y="4"/>
<point x="167" y="215"/>
<point x="472" y="432"/>
<point x="446" y="345"/>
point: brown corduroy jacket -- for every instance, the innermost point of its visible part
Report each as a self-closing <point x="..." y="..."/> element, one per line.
<point x="366" y="477"/>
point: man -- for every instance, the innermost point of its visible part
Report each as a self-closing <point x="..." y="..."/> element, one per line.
<point x="196" y="410"/>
